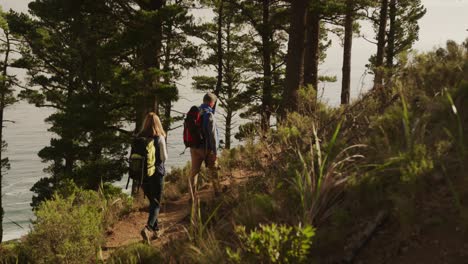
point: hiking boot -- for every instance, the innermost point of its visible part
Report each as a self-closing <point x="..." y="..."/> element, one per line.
<point x="147" y="235"/>
<point x="157" y="233"/>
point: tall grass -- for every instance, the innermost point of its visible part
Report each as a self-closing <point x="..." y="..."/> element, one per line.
<point x="460" y="137"/>
<point x="319" y="183"/>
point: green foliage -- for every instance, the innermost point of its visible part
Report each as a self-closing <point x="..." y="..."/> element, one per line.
<point x="136" y="254"/>
<point x="404" y="32"/>
<point x="249" y="155"/>
<point x="116" y="204"/>
<point x="318" y="180"/>
<point x="12" y="253"/>
<point x="67" y="230"/>
<point x="208" y="250"/>
<point x="266" y="24"/>
<point x="76" y="70"/>
<point x="460" y="137"/>
<point x="177" y="180"/>
<point x="434" y="71"/>
<point x="8" y="46"/>
<point x="255" y="207"/>
<point x="416" y="164"/>
<point x="236" y="47"/>
<point x="273" y="244"/>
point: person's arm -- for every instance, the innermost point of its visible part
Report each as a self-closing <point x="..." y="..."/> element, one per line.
<point x="162" y="149"/>
<point x="211" y="127"/>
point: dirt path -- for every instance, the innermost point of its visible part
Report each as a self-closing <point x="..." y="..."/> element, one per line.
<point x="174" y="219"/>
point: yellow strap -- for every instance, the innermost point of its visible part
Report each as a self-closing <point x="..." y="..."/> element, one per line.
<point x="151" y="159"/>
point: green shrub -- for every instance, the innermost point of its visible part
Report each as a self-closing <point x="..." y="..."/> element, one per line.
<point x="207" y="250"/>
<point x="230" y="160"/>
<point x="416" y="164"/>
<point x="177" y="181"/>
<point x="273" y="244"/>
<point x="12" y="253"/>
<point x="250" y="155"/>
<point x="254" y="208"/>
<point x="116" y="204"/>
<point x="136" y="254"/>
<point x="67" y="230"/>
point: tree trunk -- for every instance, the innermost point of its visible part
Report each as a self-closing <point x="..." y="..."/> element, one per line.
<point x="295" y="57"/>
<point x="229" y="85"/>
<point x="220" y="51"/>
<point x="312" y="50"/>
<point x="1" y="157"/>
<point x="267" y="72"/>
<point x="379" y="60"/>
<point x="391" y="34"/>
<point x="2" y="107"/>
<point x="3" y="91"/>
<point x="348" y="44"/>
<point x="167" y="104"/>
<point x="228" y="133"/>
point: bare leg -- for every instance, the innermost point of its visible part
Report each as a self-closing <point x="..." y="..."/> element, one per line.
<point x="197" y="159"/>
<point x="212" y="164"/>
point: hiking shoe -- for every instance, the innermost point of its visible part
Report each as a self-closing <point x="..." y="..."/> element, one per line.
<point x="157" y="233"/>
<point x="147" y="235"/>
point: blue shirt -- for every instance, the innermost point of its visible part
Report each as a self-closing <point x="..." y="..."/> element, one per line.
<point x="210" y="130"/>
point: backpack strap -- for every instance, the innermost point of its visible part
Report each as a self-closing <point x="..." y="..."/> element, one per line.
<point x="150" y="161"/>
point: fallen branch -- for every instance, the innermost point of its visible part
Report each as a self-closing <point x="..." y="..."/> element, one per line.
<point x="360" y="240"/>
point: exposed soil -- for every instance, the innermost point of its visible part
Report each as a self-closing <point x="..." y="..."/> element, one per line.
<point x="174" y="219"/>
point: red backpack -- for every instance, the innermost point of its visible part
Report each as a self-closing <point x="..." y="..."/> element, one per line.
<point x="193" y="134"/>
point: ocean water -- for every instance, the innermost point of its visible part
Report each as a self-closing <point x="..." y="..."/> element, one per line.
<point x="446" y="19"/>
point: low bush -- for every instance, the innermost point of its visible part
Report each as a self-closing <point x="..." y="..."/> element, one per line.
<point x="210" y="249"/>
<point x="67" y="230"/>
<point x="136" y="254"/>
<point x="177" y="182"/>
<point x="12" y="253"/>
<point x="254" y="208"/>
<point x="116" y="204"/>
<point x="273" y="244"/>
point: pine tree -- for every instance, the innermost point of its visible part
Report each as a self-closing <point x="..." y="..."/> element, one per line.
<point x="352" y="14"/>
<point x="73" y="60"/>
<point x="8" y="45"/>
<point x="266" y="20"/>
<point x="179" y="53"/>
<point x="236" y="46"/>
<point x="403" y="32"/>
<point x="381" y="42"/>
<point x="156" y="45"/>
<point x="312" y="53"/>
<point x="398" y="30"/>
<point x="347" y="50"/>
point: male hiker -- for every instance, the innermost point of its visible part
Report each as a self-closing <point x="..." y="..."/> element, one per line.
<point x="206" y="149"/>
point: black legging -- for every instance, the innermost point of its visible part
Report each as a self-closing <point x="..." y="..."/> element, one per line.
<point x="153" y="188"/>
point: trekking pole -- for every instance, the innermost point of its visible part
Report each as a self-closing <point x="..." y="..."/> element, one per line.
<point x="128" y="181"/>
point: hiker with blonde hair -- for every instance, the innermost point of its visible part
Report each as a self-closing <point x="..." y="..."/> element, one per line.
<point x="152" y="140"/>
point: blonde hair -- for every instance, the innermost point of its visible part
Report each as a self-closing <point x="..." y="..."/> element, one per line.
<point x="152" y="126"/>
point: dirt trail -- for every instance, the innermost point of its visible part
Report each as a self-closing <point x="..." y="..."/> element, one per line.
<point x="174" y="219"/>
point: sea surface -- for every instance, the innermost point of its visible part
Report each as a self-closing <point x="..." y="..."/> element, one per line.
<point x="446" y="19"/>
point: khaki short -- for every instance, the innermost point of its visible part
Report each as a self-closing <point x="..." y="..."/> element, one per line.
<point x="200" y="155"/>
